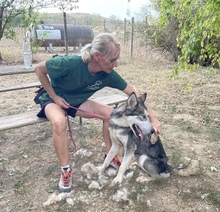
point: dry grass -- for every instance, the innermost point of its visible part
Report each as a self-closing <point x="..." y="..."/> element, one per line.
<point x="29" y="170"/>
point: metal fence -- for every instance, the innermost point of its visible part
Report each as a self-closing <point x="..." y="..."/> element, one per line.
<point x="128" y="32"/>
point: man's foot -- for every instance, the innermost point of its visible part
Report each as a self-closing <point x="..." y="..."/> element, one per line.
<point x="65" y="181"/>
<point x="115" y="164"/>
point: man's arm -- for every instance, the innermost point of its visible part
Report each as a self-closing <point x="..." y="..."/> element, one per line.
<point x="41" y="72"/>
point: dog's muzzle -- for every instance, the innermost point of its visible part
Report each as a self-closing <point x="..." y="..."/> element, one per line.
<point x="138" y="132"/>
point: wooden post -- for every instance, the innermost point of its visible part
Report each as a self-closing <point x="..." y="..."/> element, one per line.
<point x="125" y="31"/>
<point x="132" y="35"/>
<point x="65" y="33"/>
<point x="146" y="32"/>
<point x="104" y="25"/>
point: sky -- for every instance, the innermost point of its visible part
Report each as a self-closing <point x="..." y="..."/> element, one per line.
<point x="107" y="8"/>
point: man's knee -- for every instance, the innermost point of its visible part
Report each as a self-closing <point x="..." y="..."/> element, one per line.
<point x="108" y="110"/>
<point x="59" y="125"/>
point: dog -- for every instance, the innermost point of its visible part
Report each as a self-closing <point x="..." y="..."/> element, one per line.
<point x="131" y="128"/>
<point x="128" y="120"/>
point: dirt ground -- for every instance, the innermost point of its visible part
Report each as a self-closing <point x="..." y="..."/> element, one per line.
<point x="29" y="170"/>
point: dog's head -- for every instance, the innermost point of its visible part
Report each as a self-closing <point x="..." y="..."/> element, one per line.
<point x="137" y="116"/>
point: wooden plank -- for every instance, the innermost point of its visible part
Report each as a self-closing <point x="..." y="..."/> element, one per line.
<point x="20" y="120"/>
<point x="111" y="99"/>
<point x="28" y="118"/>
<point x="11" y="70"/>
<point x="19" y="86"/>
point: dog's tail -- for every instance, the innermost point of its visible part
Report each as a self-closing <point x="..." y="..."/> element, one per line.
<point x="175" y="169"/>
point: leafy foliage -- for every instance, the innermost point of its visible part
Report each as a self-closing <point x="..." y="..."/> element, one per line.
<point x="8" y="11"/>
<point x="24" y="13"/>
<point x="199" y="29"/>
<point x="67" y="5"/>
<point x="15" y="13"/>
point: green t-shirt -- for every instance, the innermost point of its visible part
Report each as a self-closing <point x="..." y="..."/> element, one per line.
<point x="68" y="73"/>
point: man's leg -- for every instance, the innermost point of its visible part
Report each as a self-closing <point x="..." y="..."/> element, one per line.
<point x="105" y="111"/>
<point x="56" y="116"/>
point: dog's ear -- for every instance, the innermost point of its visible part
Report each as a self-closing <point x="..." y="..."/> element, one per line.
<point x="142" y="98"/>
<point x="131" y="101"/>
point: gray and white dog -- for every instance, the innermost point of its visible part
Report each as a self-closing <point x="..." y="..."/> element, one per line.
<point x="131" y="128"/>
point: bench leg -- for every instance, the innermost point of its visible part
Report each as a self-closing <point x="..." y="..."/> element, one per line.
<point x="80" y="120"/>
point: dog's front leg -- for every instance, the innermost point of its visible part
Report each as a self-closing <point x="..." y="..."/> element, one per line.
<point x="125" y="163"/>
<point x="111" y="154"/>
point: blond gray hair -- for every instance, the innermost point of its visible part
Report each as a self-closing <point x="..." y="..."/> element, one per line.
<point x="104" y="43"/>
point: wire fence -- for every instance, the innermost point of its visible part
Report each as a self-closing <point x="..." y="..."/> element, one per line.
<point x="130" y="33"/>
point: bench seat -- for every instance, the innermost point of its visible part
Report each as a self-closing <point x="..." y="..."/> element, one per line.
<point x="28" y="118"/>
<point x="18" y="69"/>
<point x="19" y="86"/>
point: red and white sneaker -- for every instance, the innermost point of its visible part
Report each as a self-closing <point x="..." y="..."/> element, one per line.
<point x="65" y="181"/>
<point x="115" y="164"/>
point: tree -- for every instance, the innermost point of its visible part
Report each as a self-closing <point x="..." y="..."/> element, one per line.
<point x="10" y="10"/>
<point x="26" y="12"/>
<point x="16" y="10"/>
<point x="199" y="29"/>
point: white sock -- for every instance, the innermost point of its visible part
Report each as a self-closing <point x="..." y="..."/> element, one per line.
<point x="65" y="168"/>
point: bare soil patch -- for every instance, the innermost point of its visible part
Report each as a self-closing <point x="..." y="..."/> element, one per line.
<point x="29" y="171"/>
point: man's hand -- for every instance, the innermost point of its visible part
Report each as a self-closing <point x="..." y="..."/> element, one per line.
<point x="61" y="102"/>
<point x="156" y="125"/>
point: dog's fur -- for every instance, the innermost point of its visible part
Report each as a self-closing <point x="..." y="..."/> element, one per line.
<point x="152" y="157"/>
<point x="131" y="128"/>
<point x="123" y="120"/>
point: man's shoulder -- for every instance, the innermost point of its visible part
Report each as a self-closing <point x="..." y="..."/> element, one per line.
<point x="76" y="59"/>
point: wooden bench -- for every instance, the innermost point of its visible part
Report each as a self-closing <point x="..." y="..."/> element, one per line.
<point x="14" y="70"/>
<point x="28" y="118"/>
<point x="19" y="86"/>
<point x="18" y="69"/>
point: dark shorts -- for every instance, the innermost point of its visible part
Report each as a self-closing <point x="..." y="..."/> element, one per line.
<point x="43" y="104"/>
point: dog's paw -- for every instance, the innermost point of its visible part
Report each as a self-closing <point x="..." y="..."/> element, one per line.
<point x="117" y="180"/>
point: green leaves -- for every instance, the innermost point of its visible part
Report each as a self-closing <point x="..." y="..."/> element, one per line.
<point x="199" y="29"/>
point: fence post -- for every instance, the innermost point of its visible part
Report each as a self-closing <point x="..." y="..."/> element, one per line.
<point x="65" y="33"/>
<point x="125" y="31"/>
<point x="146" y="31"/>
<point x="104" y="29"/>
<point x="132" y="36"/>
